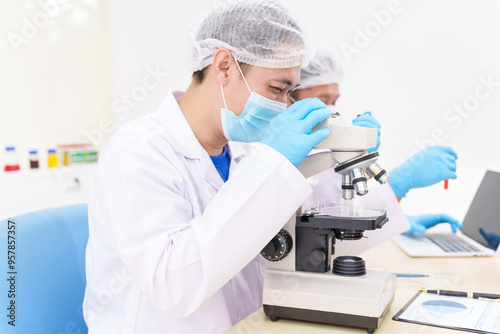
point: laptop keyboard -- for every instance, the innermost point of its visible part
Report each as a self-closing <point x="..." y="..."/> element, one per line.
<point x="451" y="243"/>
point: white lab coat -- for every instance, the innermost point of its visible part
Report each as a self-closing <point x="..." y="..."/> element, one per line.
<point x="172" y="248"/>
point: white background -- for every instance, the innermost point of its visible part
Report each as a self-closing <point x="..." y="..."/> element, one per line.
<point x="425" y="58"/>
<point x="57" y="82"/>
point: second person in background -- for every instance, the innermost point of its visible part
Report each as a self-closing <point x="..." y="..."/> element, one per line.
<point x="321" y="79"/>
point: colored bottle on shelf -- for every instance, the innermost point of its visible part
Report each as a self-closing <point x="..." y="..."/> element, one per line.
<point x="11" y="162"/>
<point x="52" y="158"/>
<point x="34" y="162"/>
<point x="93" y="155"/>
<point x="77" y="154"/>
<point x="66" y="158"/>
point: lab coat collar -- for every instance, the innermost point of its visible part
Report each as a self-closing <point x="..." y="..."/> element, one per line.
<point x="184" y="141"/>
<point x="236" y="151"/>
<point x="177" y="127"/>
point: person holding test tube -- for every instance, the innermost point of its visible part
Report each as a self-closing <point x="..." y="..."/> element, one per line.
<point x="433" y="164"/>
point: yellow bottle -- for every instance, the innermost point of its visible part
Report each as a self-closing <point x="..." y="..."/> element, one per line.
<point x="52" y="159"/>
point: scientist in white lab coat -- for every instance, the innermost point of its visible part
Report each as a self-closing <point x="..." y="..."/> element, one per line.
<point x="173" y="248"/>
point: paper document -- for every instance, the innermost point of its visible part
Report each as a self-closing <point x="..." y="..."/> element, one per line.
<point x="452" y="312"/>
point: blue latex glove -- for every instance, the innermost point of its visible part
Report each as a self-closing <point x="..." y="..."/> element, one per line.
<point x="290" y="132"/>
<point x="421" y="223"/>
<point x="429" y="166"/>
<point x="368" y="121"/>
<point x="492" y="239"/>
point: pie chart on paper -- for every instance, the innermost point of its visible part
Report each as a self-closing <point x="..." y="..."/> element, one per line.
<point x="443" y="306"/>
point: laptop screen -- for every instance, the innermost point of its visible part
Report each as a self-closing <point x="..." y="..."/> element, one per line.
<point x="482" y="222"/>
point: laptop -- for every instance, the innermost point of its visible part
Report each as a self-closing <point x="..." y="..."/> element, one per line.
<point x="480" y="235"/>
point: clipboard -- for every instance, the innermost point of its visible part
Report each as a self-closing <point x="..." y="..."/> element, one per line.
<point x="459" y="313"/>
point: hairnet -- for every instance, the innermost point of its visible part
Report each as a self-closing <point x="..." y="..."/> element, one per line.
<point x="258" y="32"/>
<point x="322" y="70"/>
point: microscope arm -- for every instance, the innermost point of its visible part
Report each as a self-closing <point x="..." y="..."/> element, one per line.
<point x="316" y="162"/>
<point x="345" y="147"/>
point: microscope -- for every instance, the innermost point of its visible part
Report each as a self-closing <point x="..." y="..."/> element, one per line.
<point x="300" y="280"/>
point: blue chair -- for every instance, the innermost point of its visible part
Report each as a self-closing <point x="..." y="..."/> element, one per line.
<point x="42" y="287"/>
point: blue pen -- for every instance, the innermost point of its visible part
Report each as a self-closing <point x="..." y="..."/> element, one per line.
<point x="409" y="275"/>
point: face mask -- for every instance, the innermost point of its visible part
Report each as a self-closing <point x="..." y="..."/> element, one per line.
<point x="254" y="120"/>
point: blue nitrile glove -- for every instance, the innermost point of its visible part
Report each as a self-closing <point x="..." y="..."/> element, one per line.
<point x="491" y="238"/>
<point x="368" y="121"/>
<point x="428" y="166"/>
<point x="421" y="223"/>
<point x="290" y="132"/>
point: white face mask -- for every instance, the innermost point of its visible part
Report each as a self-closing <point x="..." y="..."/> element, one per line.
<point x="249" y="127"/>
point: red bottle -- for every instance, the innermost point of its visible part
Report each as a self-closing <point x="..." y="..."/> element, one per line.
<point x="11" y="163"/>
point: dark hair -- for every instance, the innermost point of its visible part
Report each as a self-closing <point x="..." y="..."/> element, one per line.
<point x="199" y="76"/>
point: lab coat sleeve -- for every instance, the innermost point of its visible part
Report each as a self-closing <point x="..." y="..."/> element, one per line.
<point x="139" y="204"/>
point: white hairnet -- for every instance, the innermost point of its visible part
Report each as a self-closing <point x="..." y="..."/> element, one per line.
<point x="262" y="33"/>
<point x="322" y="70"/>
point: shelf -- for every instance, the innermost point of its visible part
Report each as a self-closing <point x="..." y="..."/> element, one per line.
<point x="30" y="190"/>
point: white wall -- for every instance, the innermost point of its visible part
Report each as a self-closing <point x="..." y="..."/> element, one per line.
<point x="32" y="190"/>
<point x="424" y="59"/>
<point x="55" y="65"/>
<point x="98" y="64"/>
<point x="55" y="84"/>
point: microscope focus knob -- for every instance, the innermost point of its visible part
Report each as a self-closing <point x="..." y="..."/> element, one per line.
<point x="279" y="247"/>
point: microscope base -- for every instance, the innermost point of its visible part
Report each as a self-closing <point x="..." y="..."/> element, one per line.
<point x="340" y="319"/>
<point x="326" y="298"/>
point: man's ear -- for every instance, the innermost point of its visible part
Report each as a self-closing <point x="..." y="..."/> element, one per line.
<point x="222" y="63"/>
